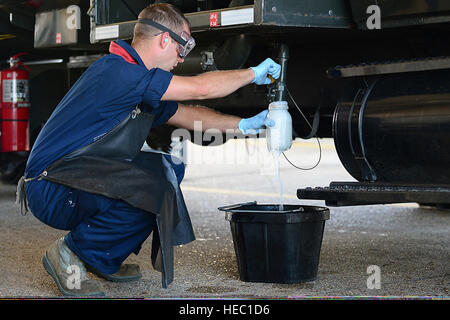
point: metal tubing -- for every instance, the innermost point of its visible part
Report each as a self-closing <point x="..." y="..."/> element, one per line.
<point x="280" y="94"/>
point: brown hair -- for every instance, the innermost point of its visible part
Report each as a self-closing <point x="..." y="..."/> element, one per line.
<point x="162" y="13"/>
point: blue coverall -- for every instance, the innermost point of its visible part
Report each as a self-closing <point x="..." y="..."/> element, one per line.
<point x="103" y="231"/>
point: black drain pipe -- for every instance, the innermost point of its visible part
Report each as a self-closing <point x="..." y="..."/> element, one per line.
<point x="281" y="91"/>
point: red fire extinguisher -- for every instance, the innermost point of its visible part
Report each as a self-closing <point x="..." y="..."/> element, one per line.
<point x="14" y="106"/>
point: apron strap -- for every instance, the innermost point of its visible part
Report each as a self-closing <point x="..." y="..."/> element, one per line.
<point x="21" y="194"/>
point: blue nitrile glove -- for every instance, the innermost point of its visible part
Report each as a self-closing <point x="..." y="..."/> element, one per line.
<point x="254" y="124"/>
<point x="265" y="68"/>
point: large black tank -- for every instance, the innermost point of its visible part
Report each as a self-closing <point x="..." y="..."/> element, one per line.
<point x="396" y="128"/>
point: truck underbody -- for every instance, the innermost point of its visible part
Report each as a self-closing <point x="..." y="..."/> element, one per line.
<point x="383" y="95"/>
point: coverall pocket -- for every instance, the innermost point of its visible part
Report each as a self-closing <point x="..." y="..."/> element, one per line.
<point x="53" y="204"/>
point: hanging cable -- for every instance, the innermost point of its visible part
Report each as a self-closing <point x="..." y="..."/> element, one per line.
<point x="320" y="147"/>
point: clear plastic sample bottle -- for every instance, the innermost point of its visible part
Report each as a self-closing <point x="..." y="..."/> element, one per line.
<point x="279" y="137"/>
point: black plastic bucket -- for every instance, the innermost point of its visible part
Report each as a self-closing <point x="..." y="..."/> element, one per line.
<point x="277" y="246"/>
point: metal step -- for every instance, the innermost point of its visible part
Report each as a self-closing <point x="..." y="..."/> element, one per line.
<point x="386" y="67"/>
<point x="358" y="193"/>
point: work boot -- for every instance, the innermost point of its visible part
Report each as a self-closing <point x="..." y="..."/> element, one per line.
<point x="69" y="271"/>
<point x="127" y="272"/>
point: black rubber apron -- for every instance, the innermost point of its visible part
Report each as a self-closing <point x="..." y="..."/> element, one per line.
<point x="114" y="166"/>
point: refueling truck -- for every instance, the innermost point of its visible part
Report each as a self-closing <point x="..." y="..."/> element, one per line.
<point x="374" y="75"/>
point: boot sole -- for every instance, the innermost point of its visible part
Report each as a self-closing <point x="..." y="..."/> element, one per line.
<point x="114" y="278"/>
<point x="51" y="271"/>
<point x="118" y="279"/>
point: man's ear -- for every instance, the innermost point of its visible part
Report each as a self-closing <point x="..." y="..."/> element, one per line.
<point x="164" y="39"/>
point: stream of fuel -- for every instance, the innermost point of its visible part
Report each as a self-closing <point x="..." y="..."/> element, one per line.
<point x="276" y="156"/>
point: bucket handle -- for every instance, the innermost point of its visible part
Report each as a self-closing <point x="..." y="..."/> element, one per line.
<point x="233" y="206"/>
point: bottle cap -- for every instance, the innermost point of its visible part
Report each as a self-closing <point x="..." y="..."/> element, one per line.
<point x="278" y="105"/>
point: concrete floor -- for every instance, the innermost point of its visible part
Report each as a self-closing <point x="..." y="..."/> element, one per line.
<point x="408" y="244"/>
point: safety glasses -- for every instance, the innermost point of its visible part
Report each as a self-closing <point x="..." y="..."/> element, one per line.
<point x="185" y="41"/>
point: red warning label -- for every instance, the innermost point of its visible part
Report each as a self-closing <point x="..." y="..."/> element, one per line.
<point x="213" y="19"/>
